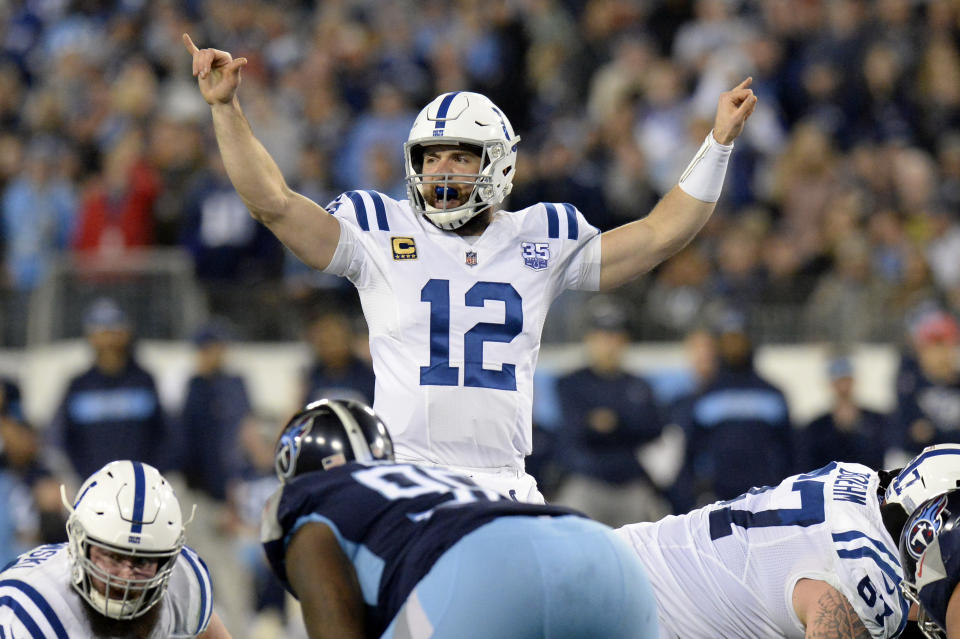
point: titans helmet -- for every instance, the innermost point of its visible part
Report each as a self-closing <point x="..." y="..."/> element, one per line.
<point x="930" y="556"/>
<point x="932" y="472"/>
<point x="472" y="121"/>
<point x="329" y="433"/>
<point x="130" y="513"/>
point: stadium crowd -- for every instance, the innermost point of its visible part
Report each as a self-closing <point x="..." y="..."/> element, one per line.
<point x="841" y="199"/>
<point x="839" y="222"/>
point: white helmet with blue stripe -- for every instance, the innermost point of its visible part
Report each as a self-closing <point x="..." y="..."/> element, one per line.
<point x="933" y="472"/>
<point x="130" y="513"/>
<point x="472" y="121"/>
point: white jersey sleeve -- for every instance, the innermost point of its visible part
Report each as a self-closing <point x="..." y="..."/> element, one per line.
<point x="581" y="247"/>
<point x="729" y="569"/>
<point x="190" y="595"/>
<point x="351" y="259"/>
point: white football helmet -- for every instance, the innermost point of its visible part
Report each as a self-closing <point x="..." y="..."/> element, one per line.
<point x="934" y="471"/>
<point x="129" y="510"/>
<point x="465" y="119"/>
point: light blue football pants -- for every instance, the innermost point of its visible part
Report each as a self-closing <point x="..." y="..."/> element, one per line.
<point x="530" y="578"/>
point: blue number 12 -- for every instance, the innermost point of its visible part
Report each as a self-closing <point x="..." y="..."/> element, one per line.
<point x="439" y="372"/>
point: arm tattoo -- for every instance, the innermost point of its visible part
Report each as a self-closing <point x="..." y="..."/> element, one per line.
<point x="835" y="618"/>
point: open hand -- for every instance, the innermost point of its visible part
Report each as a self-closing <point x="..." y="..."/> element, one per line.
<point x="217" y="73"/>
<point x="733" y="109"/>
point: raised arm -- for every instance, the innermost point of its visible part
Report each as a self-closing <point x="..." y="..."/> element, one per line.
<point x="633" y="249"/>
<point x="301" y="224"/>
<point x="825" y="612"/>
<point x="325" y="583"/>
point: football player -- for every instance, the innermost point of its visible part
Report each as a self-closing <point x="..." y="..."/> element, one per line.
<point x="454" y="290"/>
<point x="815" y="556"/>
<point x="374" y="548"/>
<point x="124" y="571"/>
<point x="930" y="555"/>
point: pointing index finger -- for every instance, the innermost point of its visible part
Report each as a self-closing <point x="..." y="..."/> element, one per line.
<point x="188" y="43"/>
<point x="743" y="85"/>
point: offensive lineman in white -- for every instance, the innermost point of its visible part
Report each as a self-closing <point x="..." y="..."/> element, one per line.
<point x="454" y="290"/>
<point x="815" y="556"/>
<point x="123" y="573"/>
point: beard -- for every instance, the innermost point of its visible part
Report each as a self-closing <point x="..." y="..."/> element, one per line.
<point x="137" y="628"/>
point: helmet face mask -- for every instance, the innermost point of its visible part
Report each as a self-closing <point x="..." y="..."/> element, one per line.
<point x="471" y="121"/>
<point x="329" y="433"/>
<point x="124" y="513"/>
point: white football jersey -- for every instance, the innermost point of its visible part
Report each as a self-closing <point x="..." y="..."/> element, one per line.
<point x="728" y="569"/>
<point x="455" y="322"/>
<point x="37" y="600"/>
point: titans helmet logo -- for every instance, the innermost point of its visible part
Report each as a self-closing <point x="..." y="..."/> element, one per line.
<point x="288" y="448"/>
<point x="925" y="526"/>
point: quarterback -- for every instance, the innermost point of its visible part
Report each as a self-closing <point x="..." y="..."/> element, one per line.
<point x="124" y="571"/>
<point x="815" y="556"/>
<point x="455" y="290"/>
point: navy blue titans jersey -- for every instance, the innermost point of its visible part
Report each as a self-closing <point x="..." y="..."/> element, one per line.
<point x="393" y="521"/>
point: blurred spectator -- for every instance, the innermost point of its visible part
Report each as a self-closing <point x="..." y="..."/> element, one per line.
<point x="39" y="213"/>
<point x="608" y="413"/>
<point x="385" y="127"/>
<point x="786" y="280"/>
<point x="116" y="213"/>
<point x="848" y="431"/>
<point x="848" y="304"/>
<point x="18" y="516"/>
<point x="112" y="410"/>
<point x="32" y="489"/>
<point x="214" y="410"/>
<point x="739" y="433"/>
<point x="700" y="349"/>
<point x="247" y="497"/>
<point x="227" y="245"/>
<point x="176" y="151"/>
<point x="928" y="382"/>
<point x="336" y="371"/>
<point x="680" y="292"/>
<point x="214" y="413"/>
<point x="738" y="279"/>
<point x="854" y="95"/>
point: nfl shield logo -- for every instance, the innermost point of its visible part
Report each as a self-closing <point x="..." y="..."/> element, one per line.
<point x="471" y="258"/>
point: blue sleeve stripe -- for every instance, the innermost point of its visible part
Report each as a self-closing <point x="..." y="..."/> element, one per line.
<point x="864" y="551"/>
<point x="553" y="222"/>
<point x="380" y="209"/>
<point x="360" y="208"/>
<point x="38" y="601"/>
<point x="139" y="496"/>
<point x="203" y="578"/>
<point x="573" y="229"/>
<point x="856" y="534"/>
<point x="23" y="616"/>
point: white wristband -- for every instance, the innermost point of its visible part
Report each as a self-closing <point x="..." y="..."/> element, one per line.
<point x="703" y="177"/>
